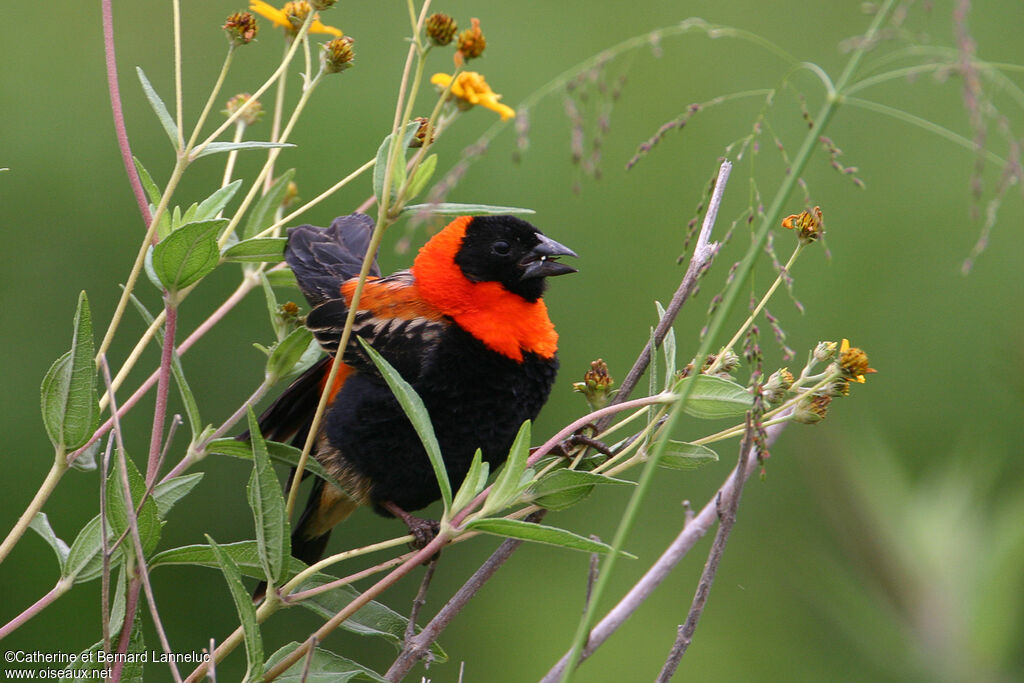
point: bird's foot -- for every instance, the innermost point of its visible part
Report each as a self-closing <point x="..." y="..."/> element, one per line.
<point x="583" y="438"/>
<point x="423" y="530"/>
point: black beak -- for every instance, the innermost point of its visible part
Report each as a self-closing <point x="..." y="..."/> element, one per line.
<point x="542" y="259"/>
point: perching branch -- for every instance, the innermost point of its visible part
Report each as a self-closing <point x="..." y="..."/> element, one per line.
<point x="692" y="532"/>
<point x="703" y="253"/>
<point x="727" y="517"/>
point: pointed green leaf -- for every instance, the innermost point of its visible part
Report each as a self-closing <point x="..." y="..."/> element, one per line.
<point x="168" y="493"/>
<point x="563" y="488"/>
<point x="473" y="483"/>
<point x="679" y="455"/>
<point x="68" y="398"/>
<point x="188" y="254"/>
<point x="41" y="525"/>
<point x="257" y="250"/>
<point x="86" y="460"/>
<point x="414" y="409"/>
<point x="246" y="610"/>
<point x="246" y="555"/>
<point x="539" y="533"/>
<point x="261" y="216"/>
<point x="279" y="452"/>
<point x="506" y="487"/>
<point x="288" y="352"/>
<point x="280" y="329"/>
<point x="215" y="203"/>
<point x="422" y="176"/>
<point x="159" y="108"/>
<point x="323" y="666"/>
<point x="90" y="667"/>
<point x="282" y="277"/>
<point x="219" y="147"/>
<point x="152" y="191"/>
<point x="380" y="165"/>
<point x="372" y="619"/>
<point x="85" y="561"/>
<point x="714" y="398"/>
<point x="119" y="508"/>
<point x="452" y="209"/>
<point x="668" y="348"/>
<point x="268" y="509"/>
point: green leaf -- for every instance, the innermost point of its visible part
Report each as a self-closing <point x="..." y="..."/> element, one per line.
<point x="218" y="147"/>
<point x="90" y="667"/>
<point x="119" y="509"/>
<point x="668" y="348"/>
<point x="414" y="409"/>
<point x="188" y="399"/>
<point x="288" y="352"/>
<point x="372" y="619"/>
<point x="564" y="488"/>
<point x="268" y="509"/>
<point x="246" y="555"/>
<point x="86" y="460"/>
<point x="323" y="667"/>
<point x="154" y="192"/>
<point x="85" y="561"/>
<point x="246" y="610"/>
<point x="509" y="484"/>
<point x="168" y="493"/>
<point x="473" y="483"/>
<point x="452" y="209"/>
<point x="70" y="407"/>
<point x="261" y="216"/>
<point x="41" y="525"/>
<point x="714" y="398"/>
<point x="215" y="203"/>
<point x="188" y="254"/>
<point x="539" y="533"/>
<point x="279" y="452"/>
<point x="257" y="250"/>
<point x="282" y="278"/>
<point x="422" y="176"/>
<point x="159" y="108"/>
<point x="380" y="165"/>
<point x="280" y="329"/>
<point x="679" y="455"/>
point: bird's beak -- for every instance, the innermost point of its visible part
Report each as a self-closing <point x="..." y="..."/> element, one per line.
<point x="542" y="259"/>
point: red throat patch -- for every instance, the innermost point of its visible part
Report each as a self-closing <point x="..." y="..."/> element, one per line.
<point x="503" y="321"/>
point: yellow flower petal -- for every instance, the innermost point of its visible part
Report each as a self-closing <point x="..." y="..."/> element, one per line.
<point x="317" y="27"/>
<point x="472" y="88"/>
<point x="268" y="11"/>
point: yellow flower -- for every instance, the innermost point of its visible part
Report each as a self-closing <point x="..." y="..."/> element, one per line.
<point x="471" y="88"/>
<point x="289" y="14"/>
<point x="854" y="362"/>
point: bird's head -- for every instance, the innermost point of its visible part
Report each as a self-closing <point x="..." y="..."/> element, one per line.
<point x="501" y="249"/>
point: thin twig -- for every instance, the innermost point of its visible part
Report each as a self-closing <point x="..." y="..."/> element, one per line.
<point x="703" y="252"/>
<point x="421" y="598"/>
<point x="695" y="528"/>
<point x="726" y="518"/>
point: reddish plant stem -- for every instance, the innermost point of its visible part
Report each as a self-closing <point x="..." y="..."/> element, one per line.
<point x="42" y="603"/>
<point x="131" y="605"/>
<point x="162" y="389"/>
<point x="115" y="105"/>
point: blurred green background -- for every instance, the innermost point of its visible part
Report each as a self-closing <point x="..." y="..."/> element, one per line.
<point x="885" y="544"/>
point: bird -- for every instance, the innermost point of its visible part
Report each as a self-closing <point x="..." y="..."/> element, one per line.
<point x="466" y="326"/>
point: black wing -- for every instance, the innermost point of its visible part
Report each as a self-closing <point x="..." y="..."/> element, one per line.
<point x="323" y="258"/>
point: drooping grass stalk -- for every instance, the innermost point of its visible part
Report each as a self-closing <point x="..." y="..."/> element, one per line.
<point x="770" y="219"/>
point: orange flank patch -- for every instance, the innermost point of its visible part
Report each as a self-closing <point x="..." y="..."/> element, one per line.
<point x="339" y="380"/>
<point x="503" y="321"/>
<point x="390" y="299"/>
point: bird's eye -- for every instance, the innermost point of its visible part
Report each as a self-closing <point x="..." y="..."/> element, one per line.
<point x="501" y="248"/>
